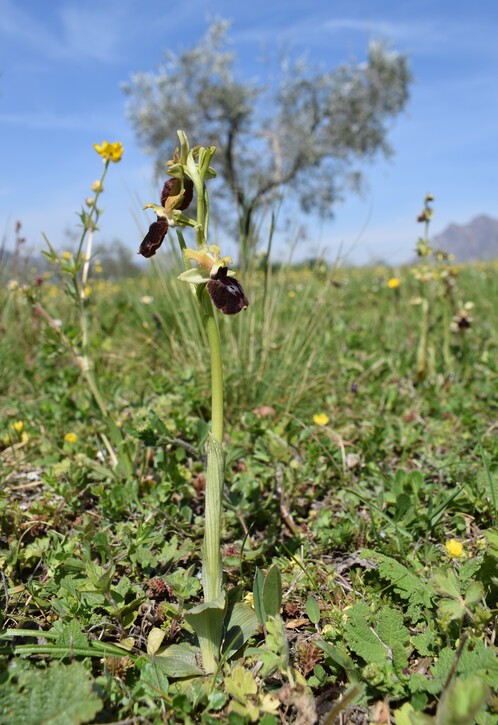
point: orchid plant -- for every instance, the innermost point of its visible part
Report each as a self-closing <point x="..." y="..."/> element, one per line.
<point x="437" y="278"/>
<point x="221" y="625"/>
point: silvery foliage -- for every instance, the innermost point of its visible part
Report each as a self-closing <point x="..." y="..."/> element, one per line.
<point x="304" y="131"/>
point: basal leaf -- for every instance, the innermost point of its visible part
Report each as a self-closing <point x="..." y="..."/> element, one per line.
<point x="242" y="624"/>
<point x="179" y="660"/>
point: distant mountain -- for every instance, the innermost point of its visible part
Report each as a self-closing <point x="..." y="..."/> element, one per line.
<point x="475" y="241"/>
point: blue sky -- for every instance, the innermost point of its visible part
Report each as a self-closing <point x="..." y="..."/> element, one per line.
<point x="62" y="62"/>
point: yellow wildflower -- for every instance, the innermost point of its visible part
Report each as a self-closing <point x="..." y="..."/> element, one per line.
<point x="67" y="255"/>
<point x="109" y="151"/>
<point x="454" y="548"/>
<point x="249" y="599"/>
<point x="70" y="437"/>
<point x="97" y="185"/>
<point x="147" y="300"/>
<point x="98" y="268"/>
<point x="320" y="419"/>
<point x="393" y="283"/>
<point x="13" y="285"/>
<point x="291" y="293"/>
<point x="18" y="426"/>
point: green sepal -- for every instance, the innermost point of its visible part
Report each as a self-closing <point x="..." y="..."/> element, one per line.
<point x="195" y="275"/>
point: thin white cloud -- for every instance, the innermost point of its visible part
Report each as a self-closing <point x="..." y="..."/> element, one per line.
<point x="93" y="32"/>
<point x="385" y="28"/>
<point x="427" y="36"/>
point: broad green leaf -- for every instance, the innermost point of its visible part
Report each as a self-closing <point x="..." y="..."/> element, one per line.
<point x="153" y="678"/>
<point x="405" y="582"/>
<point x="272" y="592"/>
<point x="217" y="700"/>
<point x="242" y="624"/>
<point x="180" y="660"/>
<point x="424" y="643"/>
<point x="446" y="582"/>
<point x="450" y="609"/>
<point x="385" y="638"/>
<point x="312" y="610"/>
<point x="71" y="636"/>
<point x="476" y="659"/>
<point x="258" y="595"/>
<point x="474" y="593"/>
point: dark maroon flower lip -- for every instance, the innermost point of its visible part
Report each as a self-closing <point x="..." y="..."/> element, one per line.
<point x="226" y="293"/>
<point x="154" y="237"/>
<point x="158" y="229"/>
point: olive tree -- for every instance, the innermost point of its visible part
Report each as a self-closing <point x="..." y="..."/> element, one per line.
<point x="304" y="135"/>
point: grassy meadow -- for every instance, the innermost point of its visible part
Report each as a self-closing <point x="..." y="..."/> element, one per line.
<point x="361" y="448"/>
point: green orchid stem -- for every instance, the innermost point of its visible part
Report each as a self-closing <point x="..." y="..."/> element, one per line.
<point x="212" y="565"/>
<point x="213" y="335"/>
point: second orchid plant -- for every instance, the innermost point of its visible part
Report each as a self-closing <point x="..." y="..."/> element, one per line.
<point x="219" y="625"/>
